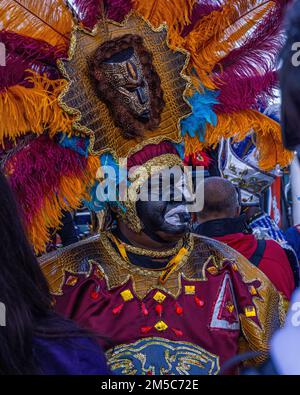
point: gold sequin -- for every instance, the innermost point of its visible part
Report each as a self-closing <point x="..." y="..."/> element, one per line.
<point x="161" y="326"/>
<point x="189" y="289"/>
<point x="230" y="307"/>
<point x="213" y="270"/>
<point x="252" y="290"/>
<point x="159" y="297"/>
<point x="235" y="267"/>
<point x="250" y="311"/>
<point x="127" y="295"/>
<point x="72" y="281"/>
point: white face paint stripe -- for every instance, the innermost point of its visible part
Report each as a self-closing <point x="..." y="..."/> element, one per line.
<point x="172" y="217"/>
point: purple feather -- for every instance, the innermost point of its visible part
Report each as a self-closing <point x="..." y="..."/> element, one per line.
<point x="86" y="12"/>
<point x="24" y="53"/>
<point x="245" y="93"/>
<point x="31" y="48"/>
<point x="248" y="72"/>
<point x="200" y="10"/>
<point x="118" y="9"/>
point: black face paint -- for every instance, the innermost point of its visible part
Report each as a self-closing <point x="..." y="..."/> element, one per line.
<point x="168" y="217"/>
<point x="164" y="212"/>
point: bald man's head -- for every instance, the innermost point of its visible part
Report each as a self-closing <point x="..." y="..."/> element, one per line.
<point x="220" y="200"/>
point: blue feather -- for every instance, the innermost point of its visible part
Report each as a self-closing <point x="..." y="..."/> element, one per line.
<point x="77" y="144"/>
<point x="203" y="113"/>
<point x="100" y="194"/>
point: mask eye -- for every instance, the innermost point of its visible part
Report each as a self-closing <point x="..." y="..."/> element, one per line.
<point x="130" y="88"/>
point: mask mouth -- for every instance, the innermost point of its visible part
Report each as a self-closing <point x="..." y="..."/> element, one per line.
<point x="145" y="116"/>
<point x="178" y="216"/>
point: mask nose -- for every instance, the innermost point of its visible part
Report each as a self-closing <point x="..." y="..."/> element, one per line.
<point x="141" y="95"/>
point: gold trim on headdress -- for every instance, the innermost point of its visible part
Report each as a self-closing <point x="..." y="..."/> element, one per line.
<point x="138" y="178"/>
<point x="92" y="117"/>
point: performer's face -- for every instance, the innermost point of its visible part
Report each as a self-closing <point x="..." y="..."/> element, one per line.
<point x="124" y="73"/>
<point x="166" y="213"/>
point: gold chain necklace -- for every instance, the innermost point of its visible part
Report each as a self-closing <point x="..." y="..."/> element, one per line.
<point x="149" y="253"/>
<point x="167" y="270"/>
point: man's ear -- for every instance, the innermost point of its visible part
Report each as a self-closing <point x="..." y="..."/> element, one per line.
<point x="238" y="211"/>
<point x="194" y="217"/>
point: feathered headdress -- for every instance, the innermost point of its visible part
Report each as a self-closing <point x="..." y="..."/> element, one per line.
<point x="212" y="65"/>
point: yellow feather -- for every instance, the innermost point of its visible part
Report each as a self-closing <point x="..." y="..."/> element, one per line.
<point x="239" y="125"/>
<point x="71" y="192"/>
<point x="220" y="32"/>
<point x="173" y="12"/>
<point x="24" y="110"/>
<point x="49" y="20"/>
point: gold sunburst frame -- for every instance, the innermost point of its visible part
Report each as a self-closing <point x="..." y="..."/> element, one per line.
<point x="92" y="117"/>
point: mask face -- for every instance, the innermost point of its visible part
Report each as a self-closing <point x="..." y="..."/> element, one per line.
<point x="166" y="209"/>
<point x="124" y="74"/>
<point x="126" y="80"/>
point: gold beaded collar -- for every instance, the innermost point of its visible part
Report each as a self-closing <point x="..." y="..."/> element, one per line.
<point x="118" y="271"/>
<point x="151" y="253"/>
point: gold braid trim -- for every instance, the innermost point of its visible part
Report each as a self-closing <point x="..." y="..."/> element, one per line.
<point x="98" y="250"/>
<point x="144" y="280"/>
<point x="151" y="253"/>
<point x="270" y="313"/>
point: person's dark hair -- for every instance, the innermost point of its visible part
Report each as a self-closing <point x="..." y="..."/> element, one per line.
<point x="24" y="293"/>
<point x="290" y="81"/>
<point x="220" y="198"/>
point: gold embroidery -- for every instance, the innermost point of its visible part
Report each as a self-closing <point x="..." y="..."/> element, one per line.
<point x="268" y="304"/>
<point x="179" y="358"/>
<point x="116" y="271"/>
<point x="144" y="280"/>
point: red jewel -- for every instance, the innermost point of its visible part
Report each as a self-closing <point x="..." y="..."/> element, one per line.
<point x="95" y="295"/>
<point x="146" y="329"/>
<point x="177" y="332"/>
<point x="149" y="373"/>
<point x="199" y="302"/>
<point x="159" y="309"/>
<point x="117" y="310"/>
<point x="144" y="309"/>
<point x="179" y="309"/>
